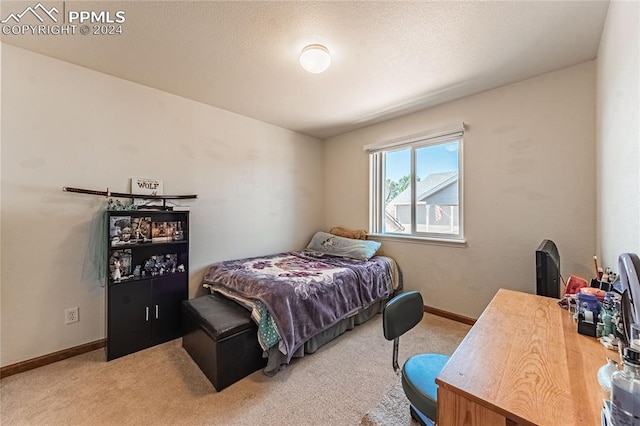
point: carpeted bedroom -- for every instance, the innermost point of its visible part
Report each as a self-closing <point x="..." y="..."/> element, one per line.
<point x="342" y="172"/>
<point x="348" y="381"/>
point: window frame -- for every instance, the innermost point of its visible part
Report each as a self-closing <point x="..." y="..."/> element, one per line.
<point x="377" y="171"/>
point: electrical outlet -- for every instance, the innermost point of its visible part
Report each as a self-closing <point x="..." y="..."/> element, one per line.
<point x="71" y="315"/>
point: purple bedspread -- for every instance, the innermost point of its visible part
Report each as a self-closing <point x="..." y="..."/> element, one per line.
<point x="304" y="293"/>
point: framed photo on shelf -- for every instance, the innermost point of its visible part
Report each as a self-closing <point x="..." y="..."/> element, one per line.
<point x="141" y="229"/>
<point x="120" y="230"/>
<point x="120" y="265"/>
<point x="163" y="231"/>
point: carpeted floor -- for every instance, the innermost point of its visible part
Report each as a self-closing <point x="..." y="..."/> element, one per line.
<point x="338" y="385"/>
<point x="391" y="410"/>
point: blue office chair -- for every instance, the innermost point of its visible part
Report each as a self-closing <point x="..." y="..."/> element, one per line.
<point x="419" y="372"/>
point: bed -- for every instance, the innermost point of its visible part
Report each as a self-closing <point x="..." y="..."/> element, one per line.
<point x="302" y="300"/>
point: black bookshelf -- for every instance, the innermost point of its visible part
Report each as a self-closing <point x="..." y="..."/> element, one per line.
<point x="147" y="278"/>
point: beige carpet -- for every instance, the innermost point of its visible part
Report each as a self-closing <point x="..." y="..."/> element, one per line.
<point x="341" y="384"/>
<point x="391" y="410"/>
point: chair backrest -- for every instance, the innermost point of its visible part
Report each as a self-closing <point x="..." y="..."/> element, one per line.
<point x="401" y="314"/>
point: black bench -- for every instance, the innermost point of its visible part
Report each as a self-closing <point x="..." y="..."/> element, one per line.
<point x="221" y="337"/>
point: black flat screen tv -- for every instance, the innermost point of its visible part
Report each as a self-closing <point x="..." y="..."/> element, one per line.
<point x="548" y="270"/>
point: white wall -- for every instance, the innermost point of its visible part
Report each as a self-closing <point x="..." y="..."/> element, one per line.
<point x="259" y="187"/>
<point x="529" y="174"/>
<point x="618" y="134"/>
<point x="1" y="44"/>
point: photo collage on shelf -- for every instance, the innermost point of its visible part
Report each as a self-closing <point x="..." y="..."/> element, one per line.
<point x="127" y="230"/>
<point x="167" y="231"/>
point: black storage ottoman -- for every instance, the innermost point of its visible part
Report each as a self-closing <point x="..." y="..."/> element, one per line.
<point x="221" y="337"/>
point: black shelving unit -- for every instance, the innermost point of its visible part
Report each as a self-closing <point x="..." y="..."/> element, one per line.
<point x="148" y="278"/>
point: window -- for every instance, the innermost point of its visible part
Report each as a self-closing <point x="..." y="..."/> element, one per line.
<point x="416" y="186"/>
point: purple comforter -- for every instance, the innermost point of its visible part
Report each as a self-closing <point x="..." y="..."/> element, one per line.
<point x="303" y="292"/>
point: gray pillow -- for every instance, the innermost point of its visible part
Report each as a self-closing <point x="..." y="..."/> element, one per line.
<point x="323" y="242"/>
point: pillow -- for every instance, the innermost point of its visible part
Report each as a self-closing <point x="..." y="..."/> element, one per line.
<point x="357" y="234"/>
<point x="324" y="242"/>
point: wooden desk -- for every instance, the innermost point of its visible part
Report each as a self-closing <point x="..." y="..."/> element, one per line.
<point x="523" y="362"/>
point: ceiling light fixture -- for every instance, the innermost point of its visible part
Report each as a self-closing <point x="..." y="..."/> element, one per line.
<point x="315" y="58"/>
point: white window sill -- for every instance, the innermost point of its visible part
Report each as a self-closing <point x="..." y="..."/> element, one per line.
<point x="419" y="240"/>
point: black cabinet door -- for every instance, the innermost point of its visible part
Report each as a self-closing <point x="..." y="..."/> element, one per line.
<point x="130" y="315"/>
<point x="168" y="294"/>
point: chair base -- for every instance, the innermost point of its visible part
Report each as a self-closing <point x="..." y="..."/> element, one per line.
<point x="419" y="417"/>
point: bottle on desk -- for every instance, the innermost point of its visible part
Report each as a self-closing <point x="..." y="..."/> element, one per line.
<point x="625" y="390"/>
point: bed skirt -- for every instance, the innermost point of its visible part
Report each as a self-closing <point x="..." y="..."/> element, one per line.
<point x="277" y="359"/>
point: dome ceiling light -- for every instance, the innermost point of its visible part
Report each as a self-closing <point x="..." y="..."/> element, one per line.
<point x="315" y="58"/>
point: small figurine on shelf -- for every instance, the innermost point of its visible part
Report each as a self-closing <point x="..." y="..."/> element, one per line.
<point x="150" y="266"/>
<point x="137" y="271"/>
<point x="116" y="274"/>
<point x="607" y="312"/>
<point x="170" y="263"/>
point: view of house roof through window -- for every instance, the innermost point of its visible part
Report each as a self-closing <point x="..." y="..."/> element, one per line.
<point x="419" y="197"/>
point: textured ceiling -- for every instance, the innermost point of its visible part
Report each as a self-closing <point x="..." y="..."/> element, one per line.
<point x="389" y="58"/>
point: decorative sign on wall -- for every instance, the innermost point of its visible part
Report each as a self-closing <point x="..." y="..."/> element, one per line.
<point x="145" y="186"/>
